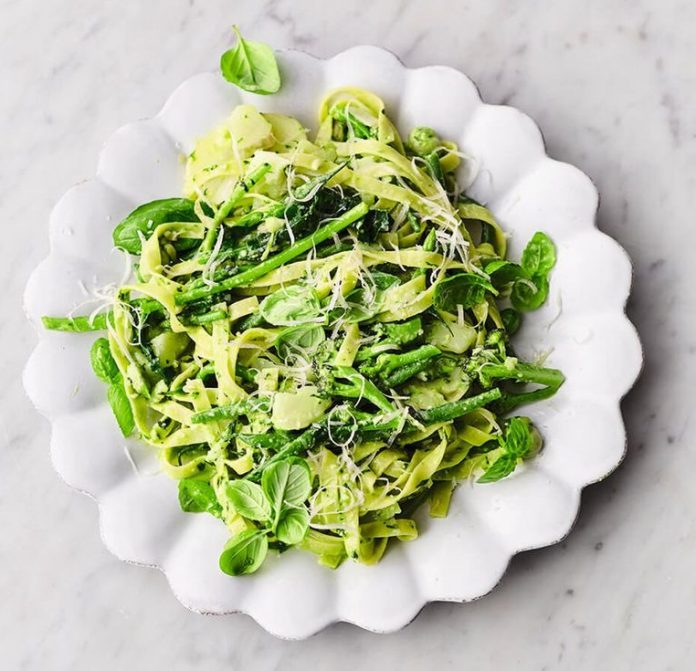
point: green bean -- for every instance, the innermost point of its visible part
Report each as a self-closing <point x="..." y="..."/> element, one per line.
<point x="304" y="442"/>
<point x="449" y="411"/>
<point x="76" y="324"/>
<point x="207" y="317"/>
<point x="238" y="193"/>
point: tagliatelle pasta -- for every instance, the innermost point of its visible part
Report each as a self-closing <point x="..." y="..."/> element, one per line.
<point x="316" y="338"/>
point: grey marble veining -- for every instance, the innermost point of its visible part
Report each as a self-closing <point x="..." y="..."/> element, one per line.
<point x="613" y="87"/>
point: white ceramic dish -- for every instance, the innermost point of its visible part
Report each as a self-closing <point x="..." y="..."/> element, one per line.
<point x="456" y="559"/>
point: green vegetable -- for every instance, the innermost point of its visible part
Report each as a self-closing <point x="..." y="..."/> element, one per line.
<point x="142" y="221"/>
<point x="293" y="524"/>
<point x="304" y="339"/>
<point x="244" y="553"/>
<point x="393" y="369"/>
<point x="240" y="190"/>
<point x="249" y="500"/>
<point x="529" y="294"/>
<point x="290" y="306"/>
<point x="286" y="483"/>
<point x="207" y="317"/>
<point x="357" y="128"/>
<point x="357" y="386"/>
<point x="539" y="256"/>
<point x="499" y="469"/>
<point x="538" y="259"/>
<point x="423" y="141"/>
<point x="106" y="370"/>
<point x="197" y="496"/>
<point x="503" y="272"/>
<point x="550" y="378"/>
<point x="521" y="441"/>
<point x="76" y="324"/>
<point x="121" y="407"/>
<point x="465" y="289"/>
<point x="449" y="411"/>
<point x="251" y="66"/>
<point x="432" y="160"/>
<point x="229" y="411"/>
<point x="103" y="363"/>
<point x="300" y="445"/>
<point x="300" y="247"/>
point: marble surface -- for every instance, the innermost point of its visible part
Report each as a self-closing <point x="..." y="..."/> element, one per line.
<point x="613" y="87"/>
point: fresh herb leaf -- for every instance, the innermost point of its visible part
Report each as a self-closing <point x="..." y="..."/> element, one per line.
<point x="292" y="526"/>
<point x="103" y="363"/>
<point x="529" y="295"/>
<point x="304" y="339"/>
<point x="249" y="500"/>
<point x="198" y="496"/>
<point x="121" y="407"/>
<point x="290" y="306"/>
<point x="465" y="289"/>
<point x="140" y="223"/>
<point x="538" y="259"/>
<point x="500" y="468"/>
<point x="503" y="272"/>
<point x="518" y="437"/>
<point x="251" y="66"/>
<point x="539" y="256"/>
<point x="286" y="483"/>
<point x="244" y="553"/>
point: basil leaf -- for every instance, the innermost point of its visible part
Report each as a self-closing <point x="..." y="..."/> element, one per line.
<point x="529" y="295"/>
<point x="518" y="437"/>
<point x="290" y="306"/>
<point x="143" y="220"/>
<point x="292" y="526"/>
<point x="366" y="301"/>
<point x="244" y="553"/>
<point x="286" y="483"/>
<point x="512" y="320"/>
<point x="251" y="66"/>
<point x="539" y="256"/>
<point x="198" y="496"/>
<point x="248" y="500"/>
<point x="465" y="289"/>
<point x="103" y="363"/>
<point x="303" y="339"/>
<point x="121" y="407"/>
<point x="500" y="468"/>
<point x="503" y="272"/>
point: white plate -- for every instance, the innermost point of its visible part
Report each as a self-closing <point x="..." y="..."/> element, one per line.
<point x="460" y="558"/>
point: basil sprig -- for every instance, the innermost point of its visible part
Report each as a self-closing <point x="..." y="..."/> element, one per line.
<point x="251" y="66"/>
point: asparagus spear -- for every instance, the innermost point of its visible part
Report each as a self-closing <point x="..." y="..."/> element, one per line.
<point x="237" y="194"/>
<point x="300" y="247"/>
